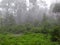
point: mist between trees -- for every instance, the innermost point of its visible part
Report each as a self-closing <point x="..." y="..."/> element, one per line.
<point x="18" y="18"/>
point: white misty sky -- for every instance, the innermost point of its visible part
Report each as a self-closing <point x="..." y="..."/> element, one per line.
<point x="0" y="0"/>
<point x="30" y="5"/>
<point x="49" y="2"/>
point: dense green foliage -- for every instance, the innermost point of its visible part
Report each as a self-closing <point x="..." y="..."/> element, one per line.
<point x="39" y="35"/>
<point x="26" y="39"/>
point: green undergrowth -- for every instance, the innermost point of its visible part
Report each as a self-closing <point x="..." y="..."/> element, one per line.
<point x="26" y="39"/>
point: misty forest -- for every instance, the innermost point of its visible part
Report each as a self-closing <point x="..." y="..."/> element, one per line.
<point x="29" y="22"/>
